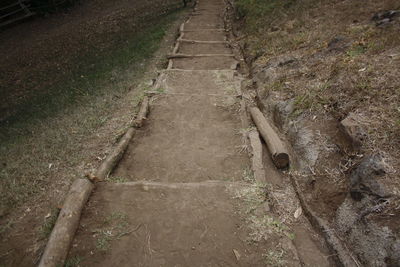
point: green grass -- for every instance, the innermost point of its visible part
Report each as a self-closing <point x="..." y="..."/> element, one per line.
<point x="258" y="12"/>
<point x="73" y="262"/>
<point x="275" y="258"/>
<point x="114" y="227"/>
<point x="88" y="76"/>
<point x="356" y="51"/>
<point x="47" y="132"/>
<point x="248" y="175"/>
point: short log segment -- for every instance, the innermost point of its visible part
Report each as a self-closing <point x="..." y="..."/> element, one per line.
<point x="172" y="56"/>
<point x="142" y="114"/>
<point x="280" y="156"/>
<point x="201" y="42"/>
<point x="112" y="159"/>
<point x="68" y="220"/>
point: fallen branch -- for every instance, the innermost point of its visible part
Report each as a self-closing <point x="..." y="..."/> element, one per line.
<point x="280" y="156"/>
<point x="67" y="222"/>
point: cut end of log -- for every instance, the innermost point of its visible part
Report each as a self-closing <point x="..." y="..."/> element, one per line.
<point x="275" y="145"/>
<point x="281" y="160"/>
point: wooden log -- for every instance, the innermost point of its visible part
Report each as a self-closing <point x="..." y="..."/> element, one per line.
<point x="256" y="159"/>
<point x="112" y="159"/>
<point x="279" y="154"/>
<point x="67" y="222"/>
<point x="142" y="114"/>
<point x="198" y="55"/>
<point x="201" y="42"/>
<point x="209" y="30"/>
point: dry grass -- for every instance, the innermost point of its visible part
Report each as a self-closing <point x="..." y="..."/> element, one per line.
<point x="264" y="226"/>
<point x="361" y="76"/>
<point x="316" y="62"/>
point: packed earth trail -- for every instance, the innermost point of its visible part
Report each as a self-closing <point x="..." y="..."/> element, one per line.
<point x="176" y="200"/>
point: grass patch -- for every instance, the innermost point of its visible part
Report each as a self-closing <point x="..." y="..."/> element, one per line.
<point x="275" y="258"/>
<point x="253" y="199"/>
<point x="116" y="179"/>
<point x="73" y="262"/>
<point x="356" y="50"/>
<point x="89" y="76"/>
<point x="49" y="222"/>
<point x="262" y="227"/>
<point x="248" y="175"/>
<point x="114" y="227"/>
<point x="103" y="241"/>
<point x="46" y="136"/>
<point x="258" y="12"/>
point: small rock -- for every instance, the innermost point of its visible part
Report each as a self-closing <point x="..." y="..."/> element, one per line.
<point x="354" y="127"/>
<point x="362" y="179"/>
<point x="298" y="212"/>
<point x="388" y="14"/>
<point x="385" y="17"/>
<point x="383" y="22"/>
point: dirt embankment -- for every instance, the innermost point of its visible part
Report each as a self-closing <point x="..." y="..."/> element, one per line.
<point x="71" y="83"/>
<point x="326" y="72"/>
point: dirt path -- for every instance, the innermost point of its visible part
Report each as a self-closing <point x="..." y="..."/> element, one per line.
<point x="185" y="169"/>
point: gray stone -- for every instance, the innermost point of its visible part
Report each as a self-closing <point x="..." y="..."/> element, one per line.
<point x="354" y="127"/>
<point x="363" y="178"/>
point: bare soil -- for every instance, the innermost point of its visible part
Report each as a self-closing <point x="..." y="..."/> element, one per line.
<point x="187" y="48"/>
<point x="204" y="36"/>
<point x="193" y="199"/>
<point x="203" y="141"/>
<point x="174" y="224"/>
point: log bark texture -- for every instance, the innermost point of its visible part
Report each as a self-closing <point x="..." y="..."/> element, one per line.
<point x="256" y="159"/>
<point x="67" y="222"/>
<point x="201" y="42"/>
<point x="142" y="114"/>
<point x="279" y="153"/>
<point x="113" y="158"/>
<point x="171" y="56"/>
